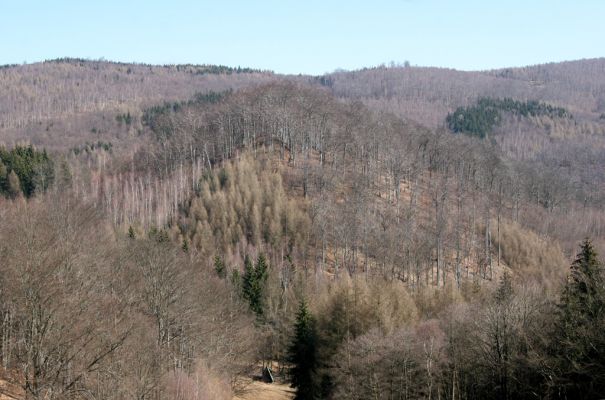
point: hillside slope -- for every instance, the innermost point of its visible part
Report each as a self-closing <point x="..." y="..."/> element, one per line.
<point x="69" y="101"/>
<point x="427" y="94"/>
<point x="196" y="239"/>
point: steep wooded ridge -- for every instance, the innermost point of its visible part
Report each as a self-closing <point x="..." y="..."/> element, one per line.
<point x="57" y="103"/>
<point x="393" y="232"/>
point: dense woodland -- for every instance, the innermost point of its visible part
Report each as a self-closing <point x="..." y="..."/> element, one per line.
<point x="480" y="119"/>
<point x="165" y="232"/>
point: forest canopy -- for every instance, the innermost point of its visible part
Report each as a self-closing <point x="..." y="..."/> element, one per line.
<point x="23" y="169"/>
<point x="196" y="236"/>
<point x="480" y="119"/>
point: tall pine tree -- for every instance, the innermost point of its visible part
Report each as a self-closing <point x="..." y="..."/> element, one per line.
<point x="248" y="280"/>
<point x="262" y="272"/>
<point x="578" y="344"/>
<point x="254" y="282"/>
<point x="219" y="267"/>
<point x="303" y="356"/>
<point x="3" y="178"/>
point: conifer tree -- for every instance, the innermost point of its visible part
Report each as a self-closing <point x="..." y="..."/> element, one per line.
<point x="578" y="345"/>
<point x="254" y="282"/>
<point x="303" y="355"/>
<point x="248" y="280"/>
<point x="219" y="267"/>
<point x="261" y="270"/>
<point x="34" y="169"/>
<point x="3" y="177"/>
<point x="131" y="232"/>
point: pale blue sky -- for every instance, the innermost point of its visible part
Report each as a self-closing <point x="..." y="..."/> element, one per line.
<point x="305" y="36"/>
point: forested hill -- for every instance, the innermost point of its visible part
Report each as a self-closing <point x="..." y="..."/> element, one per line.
<point x="549" y="117"/>
<point x="404" y="232"/>
<point x="428" y="94"/>
<point x="62" y="102"/>
<point x="73" y="96"/>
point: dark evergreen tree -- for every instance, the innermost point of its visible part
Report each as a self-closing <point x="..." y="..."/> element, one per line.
<point x="578" y="345"/>
<point x="480" y="119"/>
<point x="34" y="168"/>
<point x="303" y="356"/>
<point x="261" y="270"/>
<point x="219" y="267"/>
<point x="131" y="232"/>
<point x="3" y="178"/>
<point x="248" y="280"/>
<point x="254" y="282"/>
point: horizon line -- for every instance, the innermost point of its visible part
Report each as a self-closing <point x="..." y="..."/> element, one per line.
<point x="389" y="64"/>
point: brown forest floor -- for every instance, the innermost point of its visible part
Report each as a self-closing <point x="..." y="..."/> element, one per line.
<point x="264" y="391"/>
<point x="257" y="391"/>
<point x="10" y="391"/>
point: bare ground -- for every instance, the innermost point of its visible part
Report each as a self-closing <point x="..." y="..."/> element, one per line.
<point x="264" y="391"/>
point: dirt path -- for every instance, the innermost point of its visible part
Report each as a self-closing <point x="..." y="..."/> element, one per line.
<point x="265" y="391"/>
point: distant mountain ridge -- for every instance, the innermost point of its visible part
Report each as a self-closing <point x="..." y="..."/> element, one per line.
<point x="428" y="94"/>
<point x="74" y="96"/>
<point x="66" y="94"/>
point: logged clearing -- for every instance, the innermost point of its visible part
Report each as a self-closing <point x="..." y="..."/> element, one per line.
<point x="267" y="391"/>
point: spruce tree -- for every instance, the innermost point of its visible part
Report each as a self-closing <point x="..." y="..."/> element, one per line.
<point x="3" y="178"/>
<point x="578" y="345"/>
<point x="261" y="271"/>
<point x="248" y="280"/>
<point x="219" y="267"/>
<point x="303" y="356"/>
<point x="254" y="283"/>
